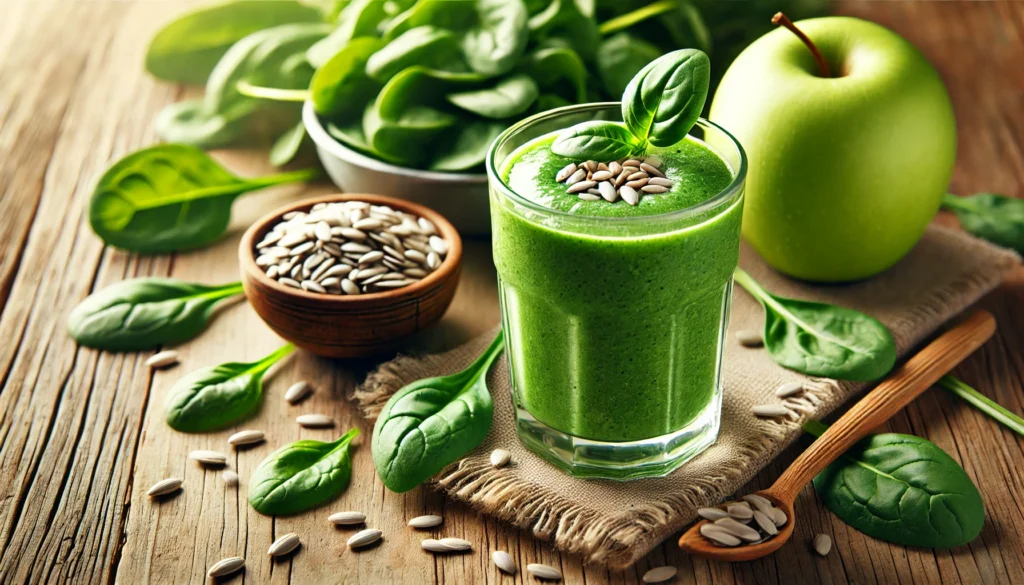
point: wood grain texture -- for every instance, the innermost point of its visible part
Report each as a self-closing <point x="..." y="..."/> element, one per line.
<point x="82" y="434"/>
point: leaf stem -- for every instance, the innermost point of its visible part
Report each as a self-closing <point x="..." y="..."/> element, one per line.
<point x="298" y="176"/>
<point x="240" y="187"/>
<point x="951" y="201"/>
<point x="983" y="403"/>
<point x="276" y="94"/>
<point x="781" y="19"/>
<point x="346" y="438"/>
<point x="274" y="357"/>
<point x="628" y="19"/>
<point x="224" y="291"/>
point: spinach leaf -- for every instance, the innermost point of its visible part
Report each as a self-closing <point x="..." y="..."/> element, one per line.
<point x="403" y="139"/>
<point x="468" y="147"/>
<point x="510" y="96"/>
<point x="902" y="489"/>
<point x="423" y="46"/>
<point x="358" y="19"/>
<point x="433" y="422"/>
<point x="499" y="37"/>
<point x="187" y="122"/>
<point x="217" y="397"/>
<point x="287" y="146"/>
<point x="341" y="85"/>
<point x="822" y="340"/>
<point x="596" y="140"/>
<point x="301" y="476"/>
<point x="550" y="67"/>
<point x="187" y="49"/>
<point x="996" y="218"/>
<point x="621" y="57"/>
<point x="169" y="198"/>
<point x="146" y="312"/>
<point x="664" y="100"/>
<point x="351" y="135"/>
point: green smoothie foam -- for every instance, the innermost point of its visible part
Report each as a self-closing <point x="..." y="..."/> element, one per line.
<point x="614" y="336"/>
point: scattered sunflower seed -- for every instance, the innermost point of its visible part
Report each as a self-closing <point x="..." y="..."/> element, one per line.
<point x="164" y="487"/>
<point x="660" y="574"/>
<point x="246" y="437"/>
<point x="284" y="545"/>
<point x="789" y="389"/>
<point x="822" y="544"/>
<point x="544" y="572"/>
<point x="428" y="521"/>
<point x="347" y="518"/>
<point x="226" y="567"/>
<point x="770" y="410"/>
<point x="500" y="457"/>
<point x="446" y="545"/>
<point x="162" y="359"/>
<point x="504" y="562"/>
<point x="206" y="457"/>
<point x="230" y="478"/>
<point x="314" y="421"/>
<point x="364" y="538"/>
<point x="297" y="392"/>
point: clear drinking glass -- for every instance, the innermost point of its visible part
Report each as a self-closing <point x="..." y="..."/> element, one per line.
<point x="614" y="327"/>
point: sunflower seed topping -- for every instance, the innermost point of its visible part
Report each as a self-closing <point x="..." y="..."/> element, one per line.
<point x="629" y="180"/>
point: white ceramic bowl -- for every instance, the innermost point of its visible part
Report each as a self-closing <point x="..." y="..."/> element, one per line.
<point x="462" y="198"/>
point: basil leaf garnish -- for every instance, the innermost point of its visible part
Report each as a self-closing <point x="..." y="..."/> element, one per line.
<point x="663" y="101"/>
<point x="596" y="140"/>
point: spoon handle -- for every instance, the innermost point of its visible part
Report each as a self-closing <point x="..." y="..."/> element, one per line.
<point x="901" y="387"/>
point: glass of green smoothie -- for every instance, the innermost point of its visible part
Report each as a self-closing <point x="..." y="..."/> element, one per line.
<point x="615" y="312"/>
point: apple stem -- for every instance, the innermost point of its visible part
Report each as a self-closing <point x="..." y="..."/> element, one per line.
<point x="781" y="19"/>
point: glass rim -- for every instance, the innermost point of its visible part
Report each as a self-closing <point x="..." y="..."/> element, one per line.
<point x="495" y="179"/>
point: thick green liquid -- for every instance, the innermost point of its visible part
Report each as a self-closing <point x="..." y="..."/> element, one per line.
<point x="615" y="337"/>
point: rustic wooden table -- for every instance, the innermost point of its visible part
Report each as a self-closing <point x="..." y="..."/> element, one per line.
<point x="82" y="434"/>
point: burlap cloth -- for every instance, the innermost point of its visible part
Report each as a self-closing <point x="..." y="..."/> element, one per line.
<point x="616" y="523"/>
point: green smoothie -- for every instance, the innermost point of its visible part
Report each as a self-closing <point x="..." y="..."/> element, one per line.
<point x="614" y="314"/>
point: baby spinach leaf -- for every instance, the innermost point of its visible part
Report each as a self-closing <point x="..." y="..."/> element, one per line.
<point x="351" y="135"/>
<point x="216" y="397"/>
<point x="146" y="312"/>
<point x="433" y="422"/>
<point x="187" y="49"/>
<point x="341" y="85"/>
<point x="822" y="340"/>
<point x="358" y="19"/>
<point x="187" y="122"/>
<point x="996" y="218"/>
<point x="509" y="97"/>
<point x="579" y="34"/>
<point x="403" y="139"/>
<point x="169" y="198"/>
<point x="498" y="39"/>
<point x="551" y="67"/>
<point x="423" y="45"/>
<point x="468" y="148"/>
<point x="597" y="140"/>
<point x="621" y="57"/>
<point x="301" y="476"/>
<point x="287" y="146"/>
<point x="664" y="100"/>
<point x="903" y="489"/>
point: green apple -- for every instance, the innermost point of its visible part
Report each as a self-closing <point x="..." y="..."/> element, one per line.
<point x="845" y="172"/>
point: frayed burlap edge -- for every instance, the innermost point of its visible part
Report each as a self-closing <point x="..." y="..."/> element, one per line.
<point x="618" y="541"/>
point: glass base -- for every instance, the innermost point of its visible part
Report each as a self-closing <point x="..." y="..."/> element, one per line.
<point x="654" y="457"/>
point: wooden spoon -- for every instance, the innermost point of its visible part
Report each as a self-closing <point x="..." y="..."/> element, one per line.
<point x="899" y="389"/>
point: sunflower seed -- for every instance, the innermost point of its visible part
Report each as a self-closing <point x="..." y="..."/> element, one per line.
<point x="504" y="562"/>
<point x="629" y="195"/>
<point x="740" y="511"/>
<point x="414" y="272"/>
<point x="591" y="165"/>
<point x="163" y="359"/>
<point x="619" y="180"/>
<point x="789" y="389"/>
<point x="349" y="287"/>
<point x="770" y="410"/>
<point x="822" y="544"/>
<point x="737" y="529"/>
<point x="347" y="518"/>
<point x="428" y="521"/>
<point x="660" y="574"/>
<point x="637" y="184"/>
<point x="292" y="239"/>
<point x="355" y="247"/>
<point x="312" y="286"/>
<point x="270" y="239"/>
<point x="576" y="177"/>
<point x="632" y="162"/>
<point x="230" y="478"/>
<point x="749" y="338"/>
<point x="660" y="181"/>
<point x="500" y="458"/>
<point x="594" y="192"/>
<point x="164" y="487"/>
<point x="371" y="257"/>
<point x="265" y="260"/>
<point x="297" y="392"/>
<point x="426" y="226"/>
<point x="581" y="186"/>
<point x="246" y="437"/>
<point x="226" y="567"/>
<point x="433" y="260"/>
<point x="322" y="231"/>
<point x="615" y="168"/>
<point x="627" y="170"/>
<point x="301" y="249"/>
<point x="712" y="513"/>
<point x="206" y="457"/>
<point x="651" y="170"/>
<point x="589" y="197"/>
<point x="566" y="172"/>
<point x="336" y="271"/>
<point x="760" y="502"/>
<point x="284" y="545"/>
<point x="602" y="176"/>
<point x="719" y="535"/>
<point x="636" y="176"/>
<point x="314" y="421"/>
<point x="766" y="523"/>
<point x="608" y="192"/>
<point x="446" y="545"/>
<point x="366" y="273"/>
<point x="544" y="572"/>
<point x="779" y="517"/>
<point x="273" y="272"/>
<point x="289" y="282"/>
<point x="654" y="189"/>
<point x="324" y="266"/>
<point x="438" y="245"/>
<point x="364" y="538"/>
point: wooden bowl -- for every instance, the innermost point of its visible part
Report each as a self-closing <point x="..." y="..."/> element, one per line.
<point x="348" y="326"/>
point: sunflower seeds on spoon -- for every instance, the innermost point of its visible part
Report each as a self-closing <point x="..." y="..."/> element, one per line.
<point x="740" y="511"/>
<point x="364" y="538"/>
<point x="719" y="535"/>
<point x="712" y="514"/>
<point x="504" y="562"/>
<point x="427" y="521"/>
<point x="162" y="359"/>
<point x="738" y="529"/>
<point x="765" y="523"/>
<point x="284" y="545"/>
<point x="347" y="518"/>
<point x="544" y="572"/>
<point x="226" y="567"/>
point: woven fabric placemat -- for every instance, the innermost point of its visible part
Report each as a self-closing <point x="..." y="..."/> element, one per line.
<point x="615" y="523"/>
